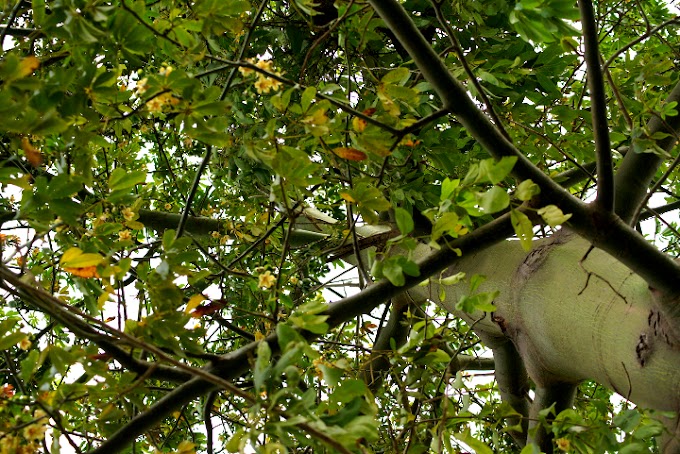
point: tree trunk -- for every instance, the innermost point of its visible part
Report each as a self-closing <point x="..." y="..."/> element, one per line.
<point x="573" y="314"/>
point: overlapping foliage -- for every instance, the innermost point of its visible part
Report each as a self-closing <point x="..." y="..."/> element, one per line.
<point x="157" y="157"/>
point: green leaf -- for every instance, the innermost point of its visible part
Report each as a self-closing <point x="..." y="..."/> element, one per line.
<point x="295" y="166"/>
<point x="237" y="441"/>
<point x="393" y="272"/>
<point x="446" y="224"/>
<point x="634" y="448"/>
<point x="282" y="99"/>
<point x="29" y="364"/>
<point x="61" y="359"/>
<point x="346" y="414"/>
<point x="286" y="335"/>
<point x="124" y="179"/>
<point x="307" y="97"/>
<point x="495" y="171"/>
<point x="349" y="390"/>
<point x="448" y="186"/>
<point x="313" y="323"/>
<point x="7" y="324"/>
<point x="627" y="420"/>
<point x="10" y="340"/>
<point x="523" y="228"/>
<point x="553" y="216"/>
<point x="479" y="302"/>
<point x="452" y="280"/>
<point x="526" y="190"/>
<point x="331" y="375"/>
<point x="261" y="372"/>
<point x="396" y="76"/>
<point x="404" y="221"/>
<point x="530" y="449"/>
<point x="494" y="200"/>
<point x="476" y="445"/>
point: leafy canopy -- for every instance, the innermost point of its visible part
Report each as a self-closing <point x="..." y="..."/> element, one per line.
<point x="157" y="157"/>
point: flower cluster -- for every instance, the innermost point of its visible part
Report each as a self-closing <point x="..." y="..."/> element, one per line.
<point x="163" y="99"/>
<point x="33" y="435"/>
<point x="263" y="84"/>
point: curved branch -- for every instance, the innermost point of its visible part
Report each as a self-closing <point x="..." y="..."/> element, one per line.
<point x="396" y="329"/>
<point x="637" y="170"/>
<point x="236" y="363"/>
<point x="598" y="103"/>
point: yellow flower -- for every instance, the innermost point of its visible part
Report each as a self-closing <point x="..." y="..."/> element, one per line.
<point x="25" y="343"/>
<point x="262" y="85"/>
<point x="215" y="234"/>
<point x="294" y="280"/>
<point x="165" y="70"/>
<point x="168" y="206"/>
<point x="34" y="432"/>
<point x="266" y="280"/>
<point x="129" y="214"/>
<point x="267" y="65"/>
<point x="85" y="272"/>
<point x="155" y="105"/>
<point x="124" y="235"/>
<point x="142" y="86"/>
<point x="563" y="444"/>
<point x="245" y="72"/>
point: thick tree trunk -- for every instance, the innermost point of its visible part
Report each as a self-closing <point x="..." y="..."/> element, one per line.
<point x="574" y="314"/>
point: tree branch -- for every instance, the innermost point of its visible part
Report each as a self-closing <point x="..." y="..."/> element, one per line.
<point x="236" y="363"/>
<point x="598" y="108"/>
<point x="50" y="305"/>
<point x="637" y="170"/>
<point x="604" y="230"/>
<point x="457" y="101"/>
<point x="560" y="394"/>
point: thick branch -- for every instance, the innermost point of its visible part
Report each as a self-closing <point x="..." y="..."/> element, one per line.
<point x="602" y="229"/>
<point x="198" y="226"/>
<point x="638" y="169"/>
<point x="598" y="108"/>
<point x="236" y="363"/>
<point x="560" y="394"/>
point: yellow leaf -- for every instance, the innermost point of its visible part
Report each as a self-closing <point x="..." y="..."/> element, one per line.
<point x="351" y="154"/>
<point x="103" y="298"/>
<point x="33" y="155"/>
<point x="359" y="124"/>
<point x="76" y="258"/>
<point x="86" y="272"/>
<point x="346" y="196"/>
<point x="193" y="303"/>
<point x="28" y="65"/>
<point x="186" y="447"/>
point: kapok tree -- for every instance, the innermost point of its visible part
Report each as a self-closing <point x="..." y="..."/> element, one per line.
<point x="179" y="177"/>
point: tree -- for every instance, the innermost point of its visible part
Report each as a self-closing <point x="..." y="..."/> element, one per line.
<point x="179" y="178"/>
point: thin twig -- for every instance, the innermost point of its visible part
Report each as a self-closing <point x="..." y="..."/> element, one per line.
<point x="192" y="192"/>
<point x="471" y="76"/>
<point x="640" y="38"/>
<point x="10" y="21"/>
<point x="244" y="46"/>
